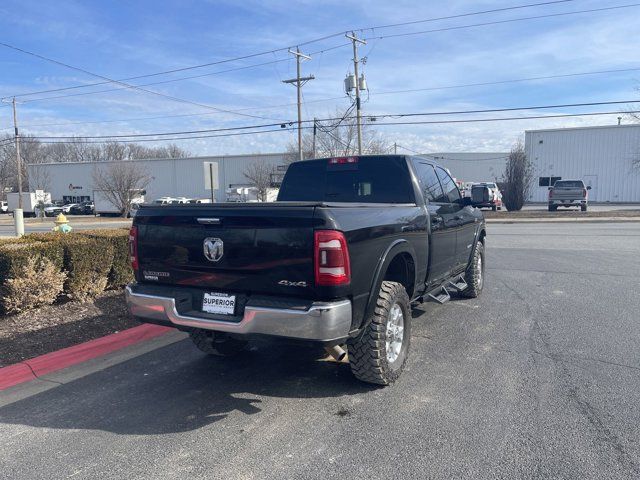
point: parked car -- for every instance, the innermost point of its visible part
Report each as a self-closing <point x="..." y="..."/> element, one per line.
<point x="67" y="207"/>
<point x="163" y="200"/>
<point x="338" y="260"/>
<point x="83" y="208"/>
<point x="4" y="207"/>
<point x="51" y="209"/>
<point x="568" y="193"/>
<point x="492" y="200"/>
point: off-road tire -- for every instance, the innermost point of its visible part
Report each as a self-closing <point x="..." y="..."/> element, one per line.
<point x="583" y="208"/>
<point x="216" y="343"/>
<point x="368" y="351"/>
<point x="474" y="276"/>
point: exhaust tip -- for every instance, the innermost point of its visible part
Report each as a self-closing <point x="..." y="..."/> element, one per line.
<point x="337" y="352"/>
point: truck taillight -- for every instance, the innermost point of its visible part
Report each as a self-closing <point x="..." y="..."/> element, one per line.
<point x="550" y="193"/>
<point x="584" y="192"/>
<point x="342" y="160"/>
<point x="133" y="247"/>
<point x="331" y="258"/>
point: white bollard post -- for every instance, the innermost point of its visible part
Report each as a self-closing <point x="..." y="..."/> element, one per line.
<point x="19" y="222"/>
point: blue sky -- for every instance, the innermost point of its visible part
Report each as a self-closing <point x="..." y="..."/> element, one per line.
<point x="125" y="39"/>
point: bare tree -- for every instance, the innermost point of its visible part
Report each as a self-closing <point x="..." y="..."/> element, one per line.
<point x="120" y="183"/>
<point x="338" y="138"/>
<point x="259" y="175"/>
<point x="517" y="178"/>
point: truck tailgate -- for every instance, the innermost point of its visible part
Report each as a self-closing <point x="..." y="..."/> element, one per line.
<point x="259" y="248"/>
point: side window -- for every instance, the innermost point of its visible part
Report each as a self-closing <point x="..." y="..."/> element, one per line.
<point x="449" y="186"/>
<point x="428" y="181"/>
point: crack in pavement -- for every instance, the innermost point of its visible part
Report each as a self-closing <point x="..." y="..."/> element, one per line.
<point x="603" y="432"/>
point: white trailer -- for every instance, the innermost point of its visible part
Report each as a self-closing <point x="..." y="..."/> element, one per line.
<point x="30" y="202"/>
<point x="105" y="208"/>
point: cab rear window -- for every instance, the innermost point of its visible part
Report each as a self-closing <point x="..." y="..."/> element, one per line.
<point x="363" y="180"/>
<point x="568" y="184"/>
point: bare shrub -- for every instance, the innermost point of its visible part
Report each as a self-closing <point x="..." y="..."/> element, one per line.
<point x="517" y="178"/>
<point x="38" y="282"/>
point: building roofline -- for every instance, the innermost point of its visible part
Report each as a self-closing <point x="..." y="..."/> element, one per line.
<point x="204" y="157"/>
<point x="593" y="127"/>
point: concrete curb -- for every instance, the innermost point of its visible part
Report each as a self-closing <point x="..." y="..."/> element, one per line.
<point x="50" y="362"/>
<point x="565" y="220"/>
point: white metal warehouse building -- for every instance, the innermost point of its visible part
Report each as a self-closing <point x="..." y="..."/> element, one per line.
<point x="176" y="177"/>
<point x="603" y="157"/>
<point x="472" y="166"/>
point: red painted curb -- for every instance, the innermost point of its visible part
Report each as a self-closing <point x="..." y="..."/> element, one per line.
<point x="51" y="362"/>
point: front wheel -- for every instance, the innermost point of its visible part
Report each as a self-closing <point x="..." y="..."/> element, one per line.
<point x="379" y="353"/>
<point x="583" y="208"/>
<point x="474" y="276"/>
<point x="216" y="343"/>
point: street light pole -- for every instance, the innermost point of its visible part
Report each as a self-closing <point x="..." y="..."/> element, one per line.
<point x="18" y="218"/>
<point x="18" y="160"/>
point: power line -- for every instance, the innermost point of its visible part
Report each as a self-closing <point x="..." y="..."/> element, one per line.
<point x="499" y="22"/>
<point x="138" y="87"/>
<point x="436" y="122"/>
<point x="162" y="82"/>
<point x="414" y="122"/>
<point x="284" y="49"/>
<point x="134" y="87"/>
<point x="461" y="15"/>
<point x="407" y="149"/>
<point x="515" y="80"/>
<point x="372" y="119"/>
<point x="443" y="87"/>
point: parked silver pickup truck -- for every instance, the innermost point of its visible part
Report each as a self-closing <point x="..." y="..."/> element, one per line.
<point x="568" y="193"/>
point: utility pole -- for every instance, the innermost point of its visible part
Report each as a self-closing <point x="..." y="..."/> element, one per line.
<point x="315" y="128"/>
<point x="299" y="81"/>
<point x="355" y="40"/>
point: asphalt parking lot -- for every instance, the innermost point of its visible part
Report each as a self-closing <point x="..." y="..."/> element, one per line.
<point x="538" y="378"/>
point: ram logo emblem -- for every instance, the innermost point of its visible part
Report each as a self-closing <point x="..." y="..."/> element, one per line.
<point x="213" y="249"/>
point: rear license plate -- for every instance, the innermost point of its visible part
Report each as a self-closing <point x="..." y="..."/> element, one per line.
<point x="219" y="303"/>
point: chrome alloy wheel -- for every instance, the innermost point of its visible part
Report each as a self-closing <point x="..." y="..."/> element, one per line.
<point x="479" y="267"/>
<point x="395" y="332"/>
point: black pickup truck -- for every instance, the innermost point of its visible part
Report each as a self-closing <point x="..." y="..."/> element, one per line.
<point x="339" y="259"/>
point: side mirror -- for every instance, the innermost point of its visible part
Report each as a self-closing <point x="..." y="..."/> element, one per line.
<point x="588" y="187"/>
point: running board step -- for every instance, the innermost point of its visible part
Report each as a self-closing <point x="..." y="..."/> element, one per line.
<point x="441" y="297"/>
<point x="458" y="284"/>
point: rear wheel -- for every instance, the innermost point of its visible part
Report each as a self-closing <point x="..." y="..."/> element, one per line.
<point x="552" y="208"/>
<point x="494" y="208"/>
<point x="216" y="343"/>
<point x="583" y="208"/>
<point x="379" y="353"/>
<point x="474" y="276"/>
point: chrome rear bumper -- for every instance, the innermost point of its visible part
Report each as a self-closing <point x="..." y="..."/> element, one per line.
<point x="326" y="321"/>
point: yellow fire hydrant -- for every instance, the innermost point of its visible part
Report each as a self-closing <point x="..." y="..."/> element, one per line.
<point x="62" y="224"/>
